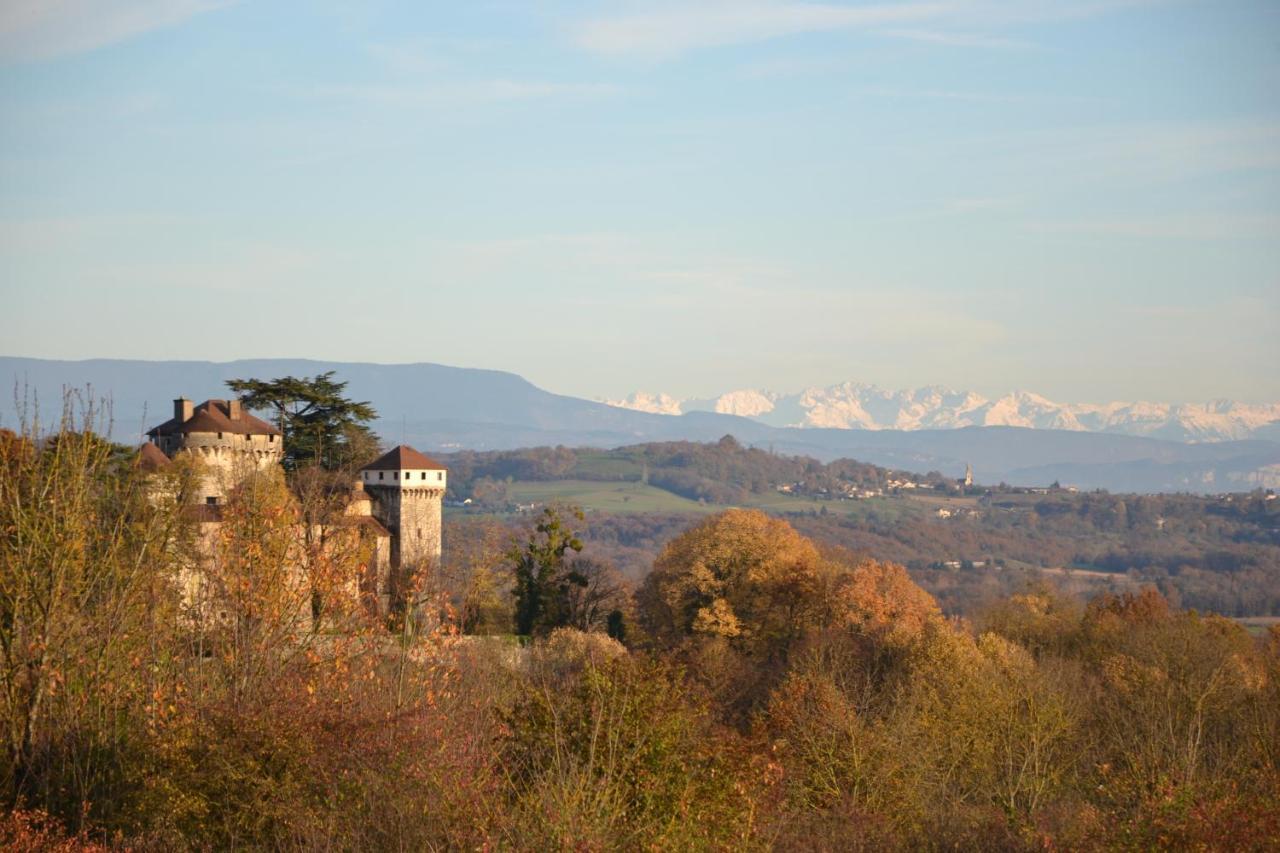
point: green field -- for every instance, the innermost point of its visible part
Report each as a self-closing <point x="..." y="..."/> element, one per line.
<point x="635" y="497"/>
<point x="606" y="464"/>
<point x="607" y="497"/>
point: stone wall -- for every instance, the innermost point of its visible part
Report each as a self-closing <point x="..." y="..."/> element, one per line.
<point x="413" y="515"/>
<point x="227" y="460"/>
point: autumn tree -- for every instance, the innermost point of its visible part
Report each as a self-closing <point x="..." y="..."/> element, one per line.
<point x="742" y="593"/>
<point x="255" y="599"/>
<point x="84" y="594"/>
<point x="486" y="605"/>
<point x="335" y="551"/>
<point x="742" y="576"/>
<point x="613" y="752"/>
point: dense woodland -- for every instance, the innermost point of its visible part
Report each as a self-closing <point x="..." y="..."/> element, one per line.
<point x="757" y="687"/>
<point x="720" y="473"/>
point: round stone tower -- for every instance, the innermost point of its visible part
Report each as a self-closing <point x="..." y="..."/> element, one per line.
<point x="230" y="442"/>
<point x="407" y="489"/>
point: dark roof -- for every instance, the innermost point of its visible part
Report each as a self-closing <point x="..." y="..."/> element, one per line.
<point x="152" y="458"/>
<point x="215" y="416"/>
<point x="401" y="458"/>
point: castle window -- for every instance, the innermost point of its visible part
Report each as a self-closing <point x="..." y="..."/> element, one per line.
<point x="379" y="475"/>
<point x="419" y="532"/>
<point x="424" y="475"/>
<point x="219" y="435"/>
<point x="439" y="475"/>
<point x="211" y="500"/>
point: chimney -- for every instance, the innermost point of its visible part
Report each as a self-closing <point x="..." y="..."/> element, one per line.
<point x="182" y="410"/>
<point x="233" y="409"/>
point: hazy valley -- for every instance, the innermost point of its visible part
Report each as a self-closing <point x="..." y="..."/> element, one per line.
<point x="443" y="409"/>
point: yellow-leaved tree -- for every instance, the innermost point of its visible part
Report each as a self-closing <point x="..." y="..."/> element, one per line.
<point x="85" y="601"/>
<point x="740" y="575"/>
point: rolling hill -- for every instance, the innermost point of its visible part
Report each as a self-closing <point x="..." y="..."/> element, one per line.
<point x="441" y="408"/>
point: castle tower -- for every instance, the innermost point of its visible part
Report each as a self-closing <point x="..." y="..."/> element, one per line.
<point x="229" y="441"/>
<point x="407" y="489"/>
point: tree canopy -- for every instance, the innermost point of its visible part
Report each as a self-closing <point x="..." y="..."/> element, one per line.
<point x="321" y="426"/>
<point x="543" y="581"/>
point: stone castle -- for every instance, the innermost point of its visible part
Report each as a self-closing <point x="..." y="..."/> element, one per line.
<point x="396" y="502"/>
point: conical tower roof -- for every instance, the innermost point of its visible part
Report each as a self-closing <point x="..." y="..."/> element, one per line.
<point x="152" y="458"/>
<point x="402" y="458"/>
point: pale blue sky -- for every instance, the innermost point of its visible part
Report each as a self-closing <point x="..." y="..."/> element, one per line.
<point x="1078" y="198"/>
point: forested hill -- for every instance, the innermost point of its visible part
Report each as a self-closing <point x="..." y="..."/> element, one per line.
<point x="723" y="472"/>
<point x="1219" y="553"/>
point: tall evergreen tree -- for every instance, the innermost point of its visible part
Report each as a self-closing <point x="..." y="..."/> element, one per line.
<point x="320" y="425"/>
<point x="542" y="580"/>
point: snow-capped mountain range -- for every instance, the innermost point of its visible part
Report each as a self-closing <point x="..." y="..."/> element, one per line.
<point x="854" y="405"/>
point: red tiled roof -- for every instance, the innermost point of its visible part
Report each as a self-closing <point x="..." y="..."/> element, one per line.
<point x="152" y="458"/>
<point x="215" y="416"/>
<point x="401" y="458"/>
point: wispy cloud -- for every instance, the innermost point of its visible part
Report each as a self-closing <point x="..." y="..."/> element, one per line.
<point x="794" y="66"/>
<point x="1001" y="12"/>
<point x="433" y="54"/>
<point x="66" y="235"/>
<point x="32" y="30"/>
<point x="748" y="294"/>
<point x="944" y="95"/>
<point x="1171" y="151"/>
<point x="672" y="30"/>
<point x="975" y="204"/>
<point x="463" y="92"/>
<point x="958" y="39"/>
<point x="1217" y="226"/>
<point x="419" y="57"/>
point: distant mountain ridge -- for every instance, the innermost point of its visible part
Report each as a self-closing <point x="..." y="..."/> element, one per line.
<point x="855" y="405"/>
<point x="438" y="408"/>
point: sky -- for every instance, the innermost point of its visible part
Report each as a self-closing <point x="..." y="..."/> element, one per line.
<point x="1075" y="197"/>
